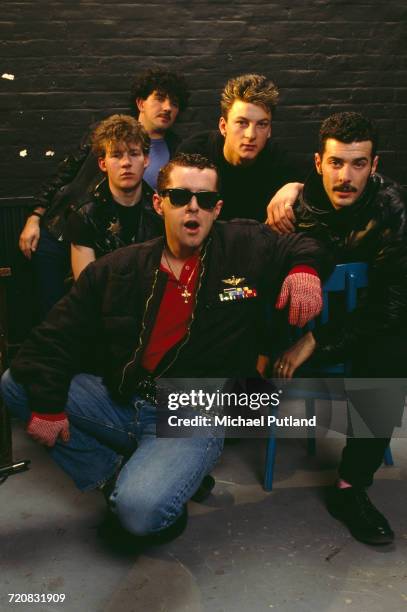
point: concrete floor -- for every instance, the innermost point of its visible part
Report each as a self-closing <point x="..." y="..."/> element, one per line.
<point x="244" y="550"/>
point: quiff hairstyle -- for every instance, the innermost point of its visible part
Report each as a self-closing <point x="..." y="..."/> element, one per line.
<point x="348" y="127"/>
<point x="117" y="129"/>
<point x="185" y="160"/>
<point x="252" y="88"/>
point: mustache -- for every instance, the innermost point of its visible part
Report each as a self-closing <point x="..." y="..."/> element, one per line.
<point x="347" y="188"/>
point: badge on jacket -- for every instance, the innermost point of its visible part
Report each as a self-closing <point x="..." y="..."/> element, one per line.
<point x="235" y="292"/>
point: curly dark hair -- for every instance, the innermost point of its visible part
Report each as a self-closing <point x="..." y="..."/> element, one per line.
<point x="116" y="129"/>
<point x="164" y="81"/>
<point x="348" y="127"/>
<point x="185" y="160"/>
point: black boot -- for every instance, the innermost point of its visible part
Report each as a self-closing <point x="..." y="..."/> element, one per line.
<point x="118" y="539"/>
<point x="205" y="489"/>
<point x="353" y="507"/>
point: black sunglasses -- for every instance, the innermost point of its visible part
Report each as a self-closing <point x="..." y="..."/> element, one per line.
<point x="180" y="197"/>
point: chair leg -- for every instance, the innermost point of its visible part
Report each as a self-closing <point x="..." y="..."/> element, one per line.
<point x="388" y="457"/>
<point x="310" y="412"/>
<point x="270" y="460"/>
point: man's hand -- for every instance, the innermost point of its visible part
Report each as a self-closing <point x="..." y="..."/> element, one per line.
<point x="45" y="428"/>
<point x="303" y="293"/>
<point x="30" y="236"/>
<point x="295" y="356"/>
<point x="280" y="214"/>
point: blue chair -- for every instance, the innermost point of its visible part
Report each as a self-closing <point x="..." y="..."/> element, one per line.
<point x="347" y="279"/>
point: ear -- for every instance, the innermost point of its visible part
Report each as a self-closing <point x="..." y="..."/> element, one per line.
<point x="157" y="204"/>
<point x="222" y="126"/>
<point x="318" y="163"/>
<point x="217" y="209"/>
<point x="146" y="161"/>
<point x="374" y="164"/>
<point x="140" y="104"/>
<point x="102" y="164"/>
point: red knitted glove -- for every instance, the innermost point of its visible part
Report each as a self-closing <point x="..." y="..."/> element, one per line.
<point x="45" y="428"/>
<point x="302" y="290"/>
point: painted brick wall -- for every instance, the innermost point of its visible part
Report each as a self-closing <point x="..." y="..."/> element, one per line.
<point x="73" y="63"/>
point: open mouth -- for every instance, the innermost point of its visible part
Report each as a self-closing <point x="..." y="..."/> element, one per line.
<point x="192" y="226"/>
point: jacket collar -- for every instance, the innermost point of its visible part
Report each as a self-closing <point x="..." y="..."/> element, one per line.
<point x="104" y="195"/>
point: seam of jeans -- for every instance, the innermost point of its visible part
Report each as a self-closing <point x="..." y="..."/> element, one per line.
<point x="106" y="425"/>
<point x="171" y="506"/>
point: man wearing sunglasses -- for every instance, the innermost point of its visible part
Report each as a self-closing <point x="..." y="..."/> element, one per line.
<point x="85" y="379"/>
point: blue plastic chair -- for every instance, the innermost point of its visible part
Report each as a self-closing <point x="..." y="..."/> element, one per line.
<point x="347" y="278"/>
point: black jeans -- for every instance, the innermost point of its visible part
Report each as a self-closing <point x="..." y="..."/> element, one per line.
<point x="384" y="357"/>
<point x="52" y="265"/>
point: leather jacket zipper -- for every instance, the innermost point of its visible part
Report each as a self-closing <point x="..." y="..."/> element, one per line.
<point x="143" y="327"/>
<point x="187" y="335"/>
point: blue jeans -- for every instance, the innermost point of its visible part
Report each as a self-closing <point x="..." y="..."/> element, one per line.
<point x="157" y="479"/>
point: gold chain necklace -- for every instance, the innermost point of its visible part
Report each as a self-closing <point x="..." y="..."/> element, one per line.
<point x="184" y="293"/>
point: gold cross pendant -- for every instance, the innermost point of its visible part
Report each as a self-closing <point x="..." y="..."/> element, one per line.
<point x="186" y="295"/>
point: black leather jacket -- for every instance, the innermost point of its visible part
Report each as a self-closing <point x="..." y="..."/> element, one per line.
<point x="104" y="323"/>
<point x="99" y="214"/>
<point x="75" y="181"/>
<point x="374" y="229"/>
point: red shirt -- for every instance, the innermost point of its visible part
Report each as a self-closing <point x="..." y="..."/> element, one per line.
<point x="174" y="314"/>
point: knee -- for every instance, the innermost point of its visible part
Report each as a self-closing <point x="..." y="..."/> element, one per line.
<point x="142" y="513"/>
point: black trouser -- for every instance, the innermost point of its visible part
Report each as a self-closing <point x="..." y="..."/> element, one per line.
<point x="380" y="410"/>
<point x="361" y="457"/>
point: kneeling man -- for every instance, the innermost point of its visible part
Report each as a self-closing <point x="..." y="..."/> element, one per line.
<point x="84" y="380"/>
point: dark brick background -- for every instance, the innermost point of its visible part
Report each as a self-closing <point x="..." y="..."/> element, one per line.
<point x="73" y="63"/>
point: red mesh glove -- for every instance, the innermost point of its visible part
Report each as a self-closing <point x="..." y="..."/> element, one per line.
<point x="45" y="428"/>
<point x="302" y="291"/>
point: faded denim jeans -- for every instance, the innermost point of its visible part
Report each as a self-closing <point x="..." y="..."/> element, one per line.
<point x="160" y="474"/>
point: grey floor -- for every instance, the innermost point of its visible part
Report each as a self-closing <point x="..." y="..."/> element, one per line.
<point x="244" y="550"/>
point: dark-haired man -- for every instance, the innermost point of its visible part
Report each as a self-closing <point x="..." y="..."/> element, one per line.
<point x="152" y="310"/>
<point x="361" y="216"/>
<point x="157" y="95"/>
<point x="252" y="166"/>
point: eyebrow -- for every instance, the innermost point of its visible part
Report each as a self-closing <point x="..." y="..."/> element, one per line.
<point x="257" y="120"/>
<point x="341" y="159"/>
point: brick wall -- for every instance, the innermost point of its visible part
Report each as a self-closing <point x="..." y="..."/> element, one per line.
<point x="73" y="62"/>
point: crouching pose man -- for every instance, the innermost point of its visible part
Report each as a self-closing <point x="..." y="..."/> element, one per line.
<point x="152" y="310"/>
<point x="362" y="216"/>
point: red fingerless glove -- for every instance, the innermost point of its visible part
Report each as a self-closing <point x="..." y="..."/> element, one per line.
<point x="302" y="291"/>
<point x="45" y="428"/>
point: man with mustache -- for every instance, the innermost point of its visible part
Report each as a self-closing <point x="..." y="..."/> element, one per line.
<point x="361" y="216"/>
<point x="157" y="96"/>
<point x="158" y="309"/>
